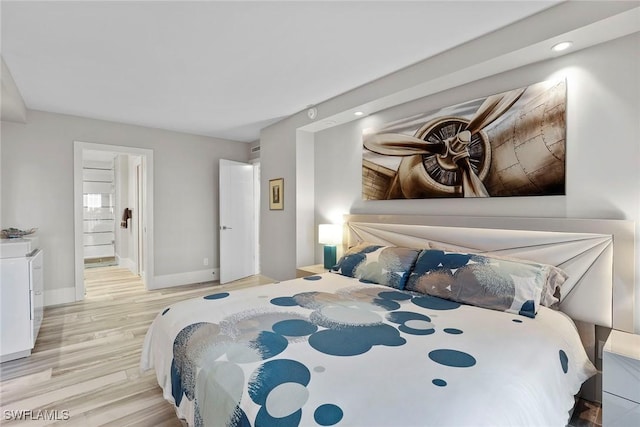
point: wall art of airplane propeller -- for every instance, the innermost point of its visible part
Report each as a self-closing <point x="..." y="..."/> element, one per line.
<point x="453" y="151"/>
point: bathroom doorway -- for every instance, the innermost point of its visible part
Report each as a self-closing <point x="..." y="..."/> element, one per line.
<point x="113" y="210"/>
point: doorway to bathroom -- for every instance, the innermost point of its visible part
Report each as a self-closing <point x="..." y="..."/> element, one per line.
<point x="113" y="210"/>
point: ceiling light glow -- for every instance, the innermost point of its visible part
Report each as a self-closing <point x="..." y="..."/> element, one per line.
<point x="561" y="46"/>
<point x="358" y="113"/>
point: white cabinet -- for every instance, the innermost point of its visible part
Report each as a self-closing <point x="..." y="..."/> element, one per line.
<point x="621" y="380"/>
<point x="21" y="297"/>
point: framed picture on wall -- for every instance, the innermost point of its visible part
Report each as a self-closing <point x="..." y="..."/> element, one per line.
<point x="510" y="144"/>
<point x="276" y="194"/>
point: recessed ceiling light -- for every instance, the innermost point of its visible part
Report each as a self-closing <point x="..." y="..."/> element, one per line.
<point x="358" y="113"/>
<point x="561" y="46"/>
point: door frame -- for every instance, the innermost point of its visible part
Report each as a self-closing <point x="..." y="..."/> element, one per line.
<point x="138" y="223"/>
<point x="256" y="200"/>
<point x="147" y="218"/>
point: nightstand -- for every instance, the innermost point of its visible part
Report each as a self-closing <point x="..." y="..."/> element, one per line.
<point x="310" y="270"/>
<point x="621" y="380"/>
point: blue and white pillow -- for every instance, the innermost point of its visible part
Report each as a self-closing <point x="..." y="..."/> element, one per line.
<point x="555" y="276"/>
<point x="384" y="265"/>
<point x="483" y="281"/>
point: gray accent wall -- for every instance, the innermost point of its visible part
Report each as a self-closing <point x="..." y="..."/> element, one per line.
<point x="37" y="188"/>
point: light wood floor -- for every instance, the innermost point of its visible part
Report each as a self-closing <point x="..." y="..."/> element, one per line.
<point x="86" y="358"/>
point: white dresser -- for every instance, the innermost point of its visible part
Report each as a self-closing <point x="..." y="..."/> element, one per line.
<point x="21" y="296"/>
<point x="621" y="380"/>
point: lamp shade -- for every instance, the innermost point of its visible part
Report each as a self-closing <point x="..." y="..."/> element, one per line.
<point x="330" y="234"/>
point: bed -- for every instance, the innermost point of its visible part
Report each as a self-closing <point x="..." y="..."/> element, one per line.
<point x="397" y="335"/>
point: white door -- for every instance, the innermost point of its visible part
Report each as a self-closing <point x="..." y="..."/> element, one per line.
<point x="237" y="221"/>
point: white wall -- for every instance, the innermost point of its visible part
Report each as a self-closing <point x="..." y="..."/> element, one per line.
<point x="525" y="42"/>
<point x="37" y="189"/>
<point x="603" y="153"/>
<point x="136" y="266"/>
<point x="306" y="234"/>
<point x="278" y="243"/>
<point x="603" y="159"/>
<point x="603" y="149"/>
<point x="254" y="155"/>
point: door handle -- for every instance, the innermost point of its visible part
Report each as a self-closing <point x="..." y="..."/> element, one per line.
<point x="224" y="227"/>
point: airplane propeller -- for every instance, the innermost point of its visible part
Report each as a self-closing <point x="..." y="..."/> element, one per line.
<point x="454" y="148"/>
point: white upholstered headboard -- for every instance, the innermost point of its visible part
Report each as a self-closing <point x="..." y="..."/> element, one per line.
<point x="597" y="254"/>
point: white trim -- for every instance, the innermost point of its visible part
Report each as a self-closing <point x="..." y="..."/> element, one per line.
<point x="77" y="220"/>
<point x="59" y="296"/>
<point x="188" y="278"/>
<point x="127" y="263"/>
<point x="147" y="156"/>
<point x="256" y="198"/>
<point x="14" y="356"/>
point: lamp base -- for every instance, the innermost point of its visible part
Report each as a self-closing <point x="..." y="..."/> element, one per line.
<point x="330" y="256"/>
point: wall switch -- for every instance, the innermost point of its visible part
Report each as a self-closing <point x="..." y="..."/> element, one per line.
<point x="205" y="261"/>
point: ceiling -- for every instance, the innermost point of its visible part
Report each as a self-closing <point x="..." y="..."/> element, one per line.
<point x="224" y="69"/>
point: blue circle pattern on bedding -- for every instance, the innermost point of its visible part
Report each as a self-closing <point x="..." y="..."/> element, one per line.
<point x="354" y="318"/>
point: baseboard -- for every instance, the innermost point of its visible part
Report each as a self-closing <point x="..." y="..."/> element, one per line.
<point x="127" y="263"/>
<point x="67" y="295"/>
<point x="188" y="278"/>
<point x="59" y="296"/>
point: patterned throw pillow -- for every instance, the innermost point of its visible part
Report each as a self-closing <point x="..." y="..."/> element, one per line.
<point x="384" y="265"/>
<point x="555" y="276"/>
<point x="483" y="281"/>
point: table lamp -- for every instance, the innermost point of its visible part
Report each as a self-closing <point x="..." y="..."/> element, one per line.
<point x="330" y="235"/>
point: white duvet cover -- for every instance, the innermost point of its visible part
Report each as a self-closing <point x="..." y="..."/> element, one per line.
<point x="330" y="350"/>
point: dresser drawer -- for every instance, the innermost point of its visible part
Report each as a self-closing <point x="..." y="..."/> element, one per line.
<point x="621" y="376"/>
<point x="619" y="412"/>
<point x="621" y="365"/>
